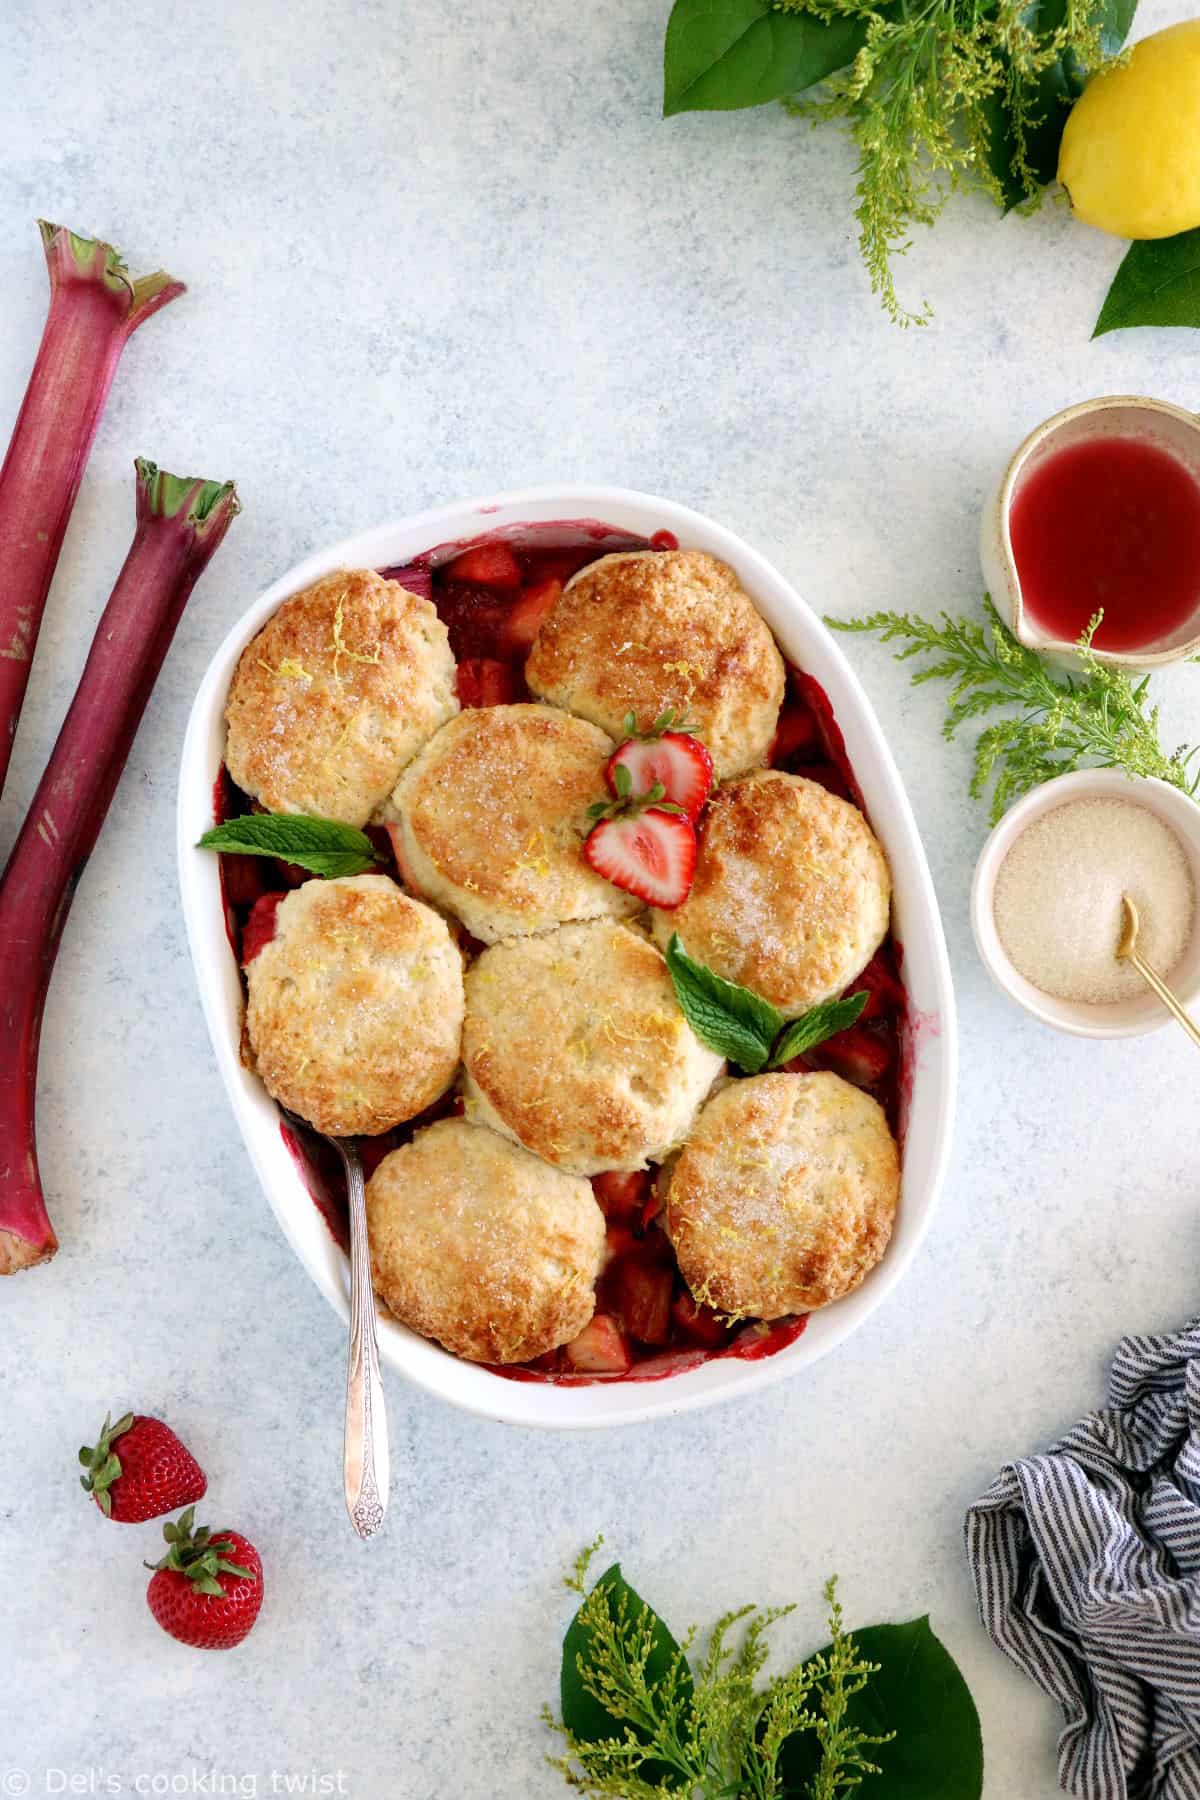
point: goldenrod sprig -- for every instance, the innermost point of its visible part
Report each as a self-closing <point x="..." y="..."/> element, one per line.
<point x="709" y="1729"/>
<point x="1098" y="718"/>
<point x="932" y="84"/>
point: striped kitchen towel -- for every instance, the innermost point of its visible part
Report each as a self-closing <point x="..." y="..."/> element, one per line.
<point x="1086" y="1563"/>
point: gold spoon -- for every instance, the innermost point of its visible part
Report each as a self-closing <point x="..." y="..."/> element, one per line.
<point x="1127" y="951"/>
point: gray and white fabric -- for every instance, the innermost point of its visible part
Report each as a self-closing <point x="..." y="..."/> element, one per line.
<point x="1086" y="1562"/>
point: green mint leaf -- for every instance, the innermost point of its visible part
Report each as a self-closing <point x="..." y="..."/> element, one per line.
<point x="730" y="1019"/>
<point x="320" y="845"/>
<point x="613" y="1607"/>
<point x="817" y="1024"/>
<point x="919" y="1693"/>
<point x="1157" y="284"/>
<point x="725" y="54"/>
<point x="623" y="782"/>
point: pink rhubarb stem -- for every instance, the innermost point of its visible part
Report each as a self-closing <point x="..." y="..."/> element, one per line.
<point x="94" y="308"/>
<point x="179" y="526"/>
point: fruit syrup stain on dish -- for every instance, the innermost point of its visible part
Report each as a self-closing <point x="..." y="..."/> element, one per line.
<point x="492" y="593"/>
<point x="1112" y="525"/>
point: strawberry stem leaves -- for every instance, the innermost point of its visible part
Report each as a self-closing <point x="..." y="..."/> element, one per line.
<point x="627" y="804"/>
<point x="200" y="1555"/>
<point x="102" y="1463"/>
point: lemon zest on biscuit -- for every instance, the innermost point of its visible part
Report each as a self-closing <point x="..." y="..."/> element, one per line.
<point x="535" y="855"/>
<point x="288" y="670"/>
<point x="339" y="647"/>
<point x="688" y="673"/>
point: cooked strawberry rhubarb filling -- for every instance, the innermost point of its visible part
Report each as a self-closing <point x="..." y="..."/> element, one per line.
<point x="636" y="823"/>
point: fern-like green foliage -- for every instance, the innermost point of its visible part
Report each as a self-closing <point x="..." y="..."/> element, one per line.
<point x="1098" y="718"/>
<point x="705" y="1727"/>
<point x="945" y="94"/>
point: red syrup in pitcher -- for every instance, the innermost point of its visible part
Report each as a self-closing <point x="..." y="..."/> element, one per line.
<point x="1109" y="525"/>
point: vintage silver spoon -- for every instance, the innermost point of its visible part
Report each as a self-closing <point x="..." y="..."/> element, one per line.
<point x="1127" y="951"/>
<point x="365" y="1459"/>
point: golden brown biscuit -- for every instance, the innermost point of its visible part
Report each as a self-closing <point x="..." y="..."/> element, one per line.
<point x="338" y="691"/>
<point x="492" y="817"/>
<point x="644" y="631"/>
<point x="355" y="1006"/>
<point x="783" y="1198"/>
<point x="482" y="1246"/>
<point x="791" y="895"/>
<point x="574" y="1044"/>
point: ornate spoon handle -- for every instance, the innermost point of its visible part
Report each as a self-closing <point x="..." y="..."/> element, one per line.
<point x="366" y="1453"/>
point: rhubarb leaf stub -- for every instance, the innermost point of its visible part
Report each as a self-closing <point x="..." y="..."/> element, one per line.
<point x="168" y="496"/>
<point x="72" y="256"/>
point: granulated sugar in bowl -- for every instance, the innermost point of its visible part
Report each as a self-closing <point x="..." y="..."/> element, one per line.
<point x="1058" y="898"/>
<point x="1046" y="900"/>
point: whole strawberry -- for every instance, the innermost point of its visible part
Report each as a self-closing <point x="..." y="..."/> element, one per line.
<point x="208" y="1589"/>
<point x="139" y="1470"/>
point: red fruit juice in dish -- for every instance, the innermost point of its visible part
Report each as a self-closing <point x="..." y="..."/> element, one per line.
<point x="1109" y="524"/>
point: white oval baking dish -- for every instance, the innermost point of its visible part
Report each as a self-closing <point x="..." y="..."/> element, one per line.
<point x="932" y="1061"/>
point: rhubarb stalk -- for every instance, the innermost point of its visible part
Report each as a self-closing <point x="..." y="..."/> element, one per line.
<point x="94" y="308"/>
<point x="179" y="525"/>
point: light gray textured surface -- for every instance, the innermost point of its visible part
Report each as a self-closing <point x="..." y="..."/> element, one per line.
<point x="433" y="252"/>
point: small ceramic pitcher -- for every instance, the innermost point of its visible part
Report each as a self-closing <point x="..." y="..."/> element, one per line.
<point x="1114" y="415"/>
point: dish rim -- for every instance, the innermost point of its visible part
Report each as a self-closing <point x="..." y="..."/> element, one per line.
<point x="933" y="1081"/>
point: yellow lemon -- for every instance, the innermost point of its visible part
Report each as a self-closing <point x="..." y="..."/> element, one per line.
<point x="1130" y="155"/>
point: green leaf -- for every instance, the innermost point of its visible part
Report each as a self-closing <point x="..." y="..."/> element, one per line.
<point x="582" y="1713"/>
<point x="322" y="846"/>
<point x="730" y="1019"/>
<point x="1115" y="18"/>
<point x="725" y="54"/>
<point x="1048" y="98"/>
<point x="1001" y="149"/>
<point x="1157" y="284"/>
<point x="920" y="1693"/>
<point x="817" y="1024"/>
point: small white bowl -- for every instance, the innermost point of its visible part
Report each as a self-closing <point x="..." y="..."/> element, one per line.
<point x="1118" y="1018"/>
<point x="1112" y="415"/>
<point x="931" y="1055"/>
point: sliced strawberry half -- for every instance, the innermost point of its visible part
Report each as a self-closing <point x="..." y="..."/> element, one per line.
<point x="483" y="681"/>
<point x="487" y="565"/>
<point x="651" y="854"/>
<point x="677" y="762"/>
<point x="620" y="1195"/>
<point x="259" y="928"/>
<point x="523" y="620"/>
<point x="642" y="1290"/>
<point x="600" y="1349"/>
<point x="700" y="1324"/>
